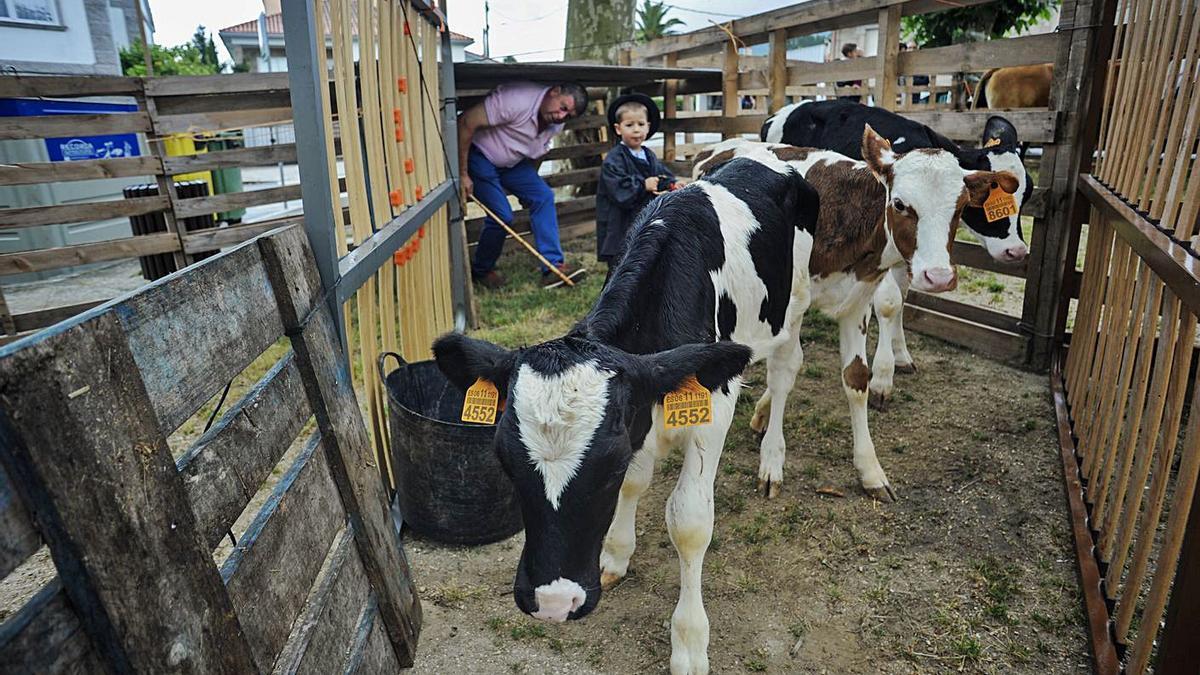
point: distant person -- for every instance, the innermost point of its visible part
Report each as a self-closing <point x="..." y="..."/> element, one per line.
<point x="850" y="50"/>
<point x="497" y="140"/>
<point x="631" y="176"/>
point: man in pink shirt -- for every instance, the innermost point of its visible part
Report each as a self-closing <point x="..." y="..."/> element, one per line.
<point x="497" y="140"/>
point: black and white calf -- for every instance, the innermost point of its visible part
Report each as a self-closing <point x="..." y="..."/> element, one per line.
<point x="838" y="126"/>
<point x="892" y="211"/>
<point x="713" y="275"/>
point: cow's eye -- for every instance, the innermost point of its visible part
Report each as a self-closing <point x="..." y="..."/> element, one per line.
<point x="899" y="205"/>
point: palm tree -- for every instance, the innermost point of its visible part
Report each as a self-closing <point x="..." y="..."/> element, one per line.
<point x="653" y="22"/>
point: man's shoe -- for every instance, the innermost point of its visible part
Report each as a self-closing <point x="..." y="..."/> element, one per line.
<point x="492" y="280"/>
<point x="575" y="274"/>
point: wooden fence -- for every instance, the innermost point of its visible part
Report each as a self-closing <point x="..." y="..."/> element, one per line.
<point x="1131" y="443"/>
<point x="167" y="107"/>
<point x="86" y="470"/>
<point x="1024" y="338"/>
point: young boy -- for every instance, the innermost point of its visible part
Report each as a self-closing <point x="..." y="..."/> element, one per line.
<point x="631" y="176"/>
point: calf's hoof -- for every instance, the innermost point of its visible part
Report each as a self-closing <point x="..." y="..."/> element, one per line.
<point x="769" y="488"/>
<point x="883" y="493"/>
<point x="906" y="368"/>
<point x="878" y="400"/>
<point x="609" y="581"/>
<point x="758" y="422"/>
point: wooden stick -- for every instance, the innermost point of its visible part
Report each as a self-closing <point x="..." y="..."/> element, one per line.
<point x="524" y="243"/>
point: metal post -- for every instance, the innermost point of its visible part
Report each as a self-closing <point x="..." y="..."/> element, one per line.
<point x="306" y="75"/>
<point x="458" y="235"/>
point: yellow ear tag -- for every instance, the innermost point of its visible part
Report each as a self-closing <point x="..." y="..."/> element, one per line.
<point x="992" y="142"/>
<point x="688" y="406"/>
<point x="481" y="402"/>
<point x="999" y="205"/>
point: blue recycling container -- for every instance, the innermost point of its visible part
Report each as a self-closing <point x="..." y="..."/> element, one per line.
<point x="74" y="148"/>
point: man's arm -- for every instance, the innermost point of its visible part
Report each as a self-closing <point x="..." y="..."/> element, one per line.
<point x="474" y="119"/>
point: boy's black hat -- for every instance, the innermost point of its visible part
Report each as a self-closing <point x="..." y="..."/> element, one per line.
<point x="652" y="115"/>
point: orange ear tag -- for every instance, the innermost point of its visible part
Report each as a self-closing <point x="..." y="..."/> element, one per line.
<point x="481" y="402"/>
<point x="688" y="406"/>
<point x="999" y="205"/>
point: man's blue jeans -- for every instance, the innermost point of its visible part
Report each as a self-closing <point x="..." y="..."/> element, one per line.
<point x="522" y="181"/>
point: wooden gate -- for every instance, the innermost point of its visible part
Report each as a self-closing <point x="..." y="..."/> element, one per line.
<point x="1131" y="444"/>
<point x="317" y="583"/>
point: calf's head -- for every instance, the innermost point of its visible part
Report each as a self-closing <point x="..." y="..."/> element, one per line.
<point x="575" y="410"/>
<point x="926" y="194"/>
<point x="1000" y="152"/>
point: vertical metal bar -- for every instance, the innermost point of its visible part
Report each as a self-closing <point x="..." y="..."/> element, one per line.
<point x="459" y="282"/>
<point x="306" y="74"/>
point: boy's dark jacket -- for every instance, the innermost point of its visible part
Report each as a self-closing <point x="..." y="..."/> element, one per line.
<point x="620" y="196"/>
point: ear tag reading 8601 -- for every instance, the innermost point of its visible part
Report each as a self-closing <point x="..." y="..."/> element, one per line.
<point x="481" y="403"/>
<point x="688" y="406"/>
<point x="999" y="204"/>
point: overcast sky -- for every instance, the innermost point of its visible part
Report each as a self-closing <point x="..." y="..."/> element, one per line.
<point x="531" y="30"/>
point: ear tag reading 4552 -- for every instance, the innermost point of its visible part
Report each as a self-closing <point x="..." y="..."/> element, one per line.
<point x="688" y="406"/>
<point x="481" y="403"/>
<point x="999" y="205"/>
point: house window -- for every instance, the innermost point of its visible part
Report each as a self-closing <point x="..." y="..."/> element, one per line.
<point x="35" y="12"/>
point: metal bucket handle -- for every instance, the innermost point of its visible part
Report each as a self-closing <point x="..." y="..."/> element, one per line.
<point x="382" y="368"/>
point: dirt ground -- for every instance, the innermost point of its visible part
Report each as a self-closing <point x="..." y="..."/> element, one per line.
<point x="970" y="571"/>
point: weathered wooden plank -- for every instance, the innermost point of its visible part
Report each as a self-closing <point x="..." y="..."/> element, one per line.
<point x="302" y="515"/>
<point x="1033" y="126"/>
<point x="224" y="468"/>
<point x="573" y="177"/>
<point x="210" y="239"/>
<point x="23" y="86"/>
<point x="221" y="310"/>
<point x="29" y="173"/>
<point x="18" y="538"/>
<point x="52" y="126"/>
<point x="216" y="121"/>
<point x="245" y="83"/>
<point x="46" y="636"/>
<point x="742" y="124"/>
<point x="993" y="343"/>
<point x="572" y="151"/>
<point x="325" y="632"/>
<point x="77" y="213"/>
<point x="377" y="654"/>
<point x="209" y="103"/>
<point x="199" y="206"/>
<point x="326" y="376"/>
<point x="978" y="56"/>
<point x="962" y="310"/>
<point x="974" y="255"/>
<point x="222" y="159"/>
<point x="586" y="122"/>
<point x="79" y="440"/>
<point x="83" y="254"/>
<point x="51" y="315"/>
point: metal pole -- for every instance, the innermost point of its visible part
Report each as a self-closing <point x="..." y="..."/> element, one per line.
<point x="458" y="243"/>
<point x="306" y="75"/>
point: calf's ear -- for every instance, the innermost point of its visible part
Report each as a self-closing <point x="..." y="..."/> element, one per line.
<point x="877" y="153"/>
<point x="714" y="364"/>
<point x="980" y="183"/>
<point x="463" y="360"/>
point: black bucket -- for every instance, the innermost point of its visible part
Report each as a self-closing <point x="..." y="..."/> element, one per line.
<point x="449" y="482"/>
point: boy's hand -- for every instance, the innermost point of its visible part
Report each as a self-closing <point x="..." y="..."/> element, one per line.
<point x="652" y="184"/>
<point x="468" y="186"/>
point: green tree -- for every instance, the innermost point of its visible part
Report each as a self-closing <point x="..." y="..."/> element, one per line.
<point x="204" y="44"/>
<point x="652" y="21"/>
<point x="185" y="59"/>
<point x="972" y="24"/>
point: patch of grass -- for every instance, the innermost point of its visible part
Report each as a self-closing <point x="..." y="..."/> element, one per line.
<point x="967" y="647"/>
<point x="810" y="471"/>
<point x="527" y="631"/>
<point x="755" y="664"/>
<point x="1030" y="425"/>
<point x="1000" y="588"/>
<point x="818" y="327"/>
<point x="979" y="436"/>
<point x="454" y="595"/>
<point x="815" y="372"/>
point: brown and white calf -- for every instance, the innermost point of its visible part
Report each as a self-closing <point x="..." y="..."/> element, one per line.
<point x="892" y="211"/>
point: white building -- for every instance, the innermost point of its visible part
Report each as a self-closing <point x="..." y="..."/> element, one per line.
<point x="68" y="37"/>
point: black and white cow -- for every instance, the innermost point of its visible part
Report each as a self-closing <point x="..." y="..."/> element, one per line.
<point x="838" y="125"/>
<point x="893" y="211"/>
<point x="713" y="275"/>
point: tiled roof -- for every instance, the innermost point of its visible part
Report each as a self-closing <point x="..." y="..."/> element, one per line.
<point x="275" y="25"/>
